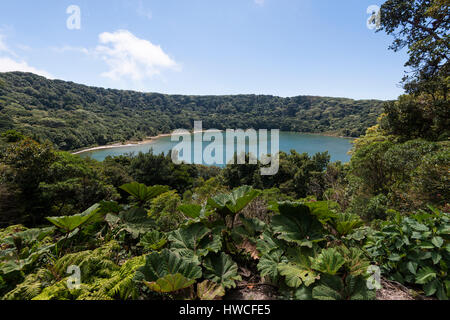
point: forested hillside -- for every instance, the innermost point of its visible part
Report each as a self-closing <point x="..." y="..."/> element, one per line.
<point x="74" y="116"/>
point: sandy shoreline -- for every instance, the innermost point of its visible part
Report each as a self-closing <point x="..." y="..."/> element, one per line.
<point x="133" y="143"/>
<point x="122" y="145"/>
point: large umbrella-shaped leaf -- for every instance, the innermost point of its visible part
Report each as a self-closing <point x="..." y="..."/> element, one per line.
<point x="69" y="223"/>
<point x="268" y="264"/>
<point x="158" y="265"/>
<point x="267" y="243"/>
<point x="191" y="210"/>
<point x="322" y="209"/>
<point x="136" y="221"/>
<point x="333" y="288"/>
<point x="222" y="269"/>
<point x="296" y="275"/>
<point x="329" y="261"/>
<point x="142" y="193"/>
<point x="296" y="224"/>
<point x="153" y="240"/>
<point x="234" y="202"/>
<point x="186" y="242"/>
<point x="208" y="290"/>
<point x="170" y="283"/>
<point x="297" y="268"/>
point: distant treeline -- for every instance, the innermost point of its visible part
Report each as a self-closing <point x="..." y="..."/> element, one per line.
<point x="74" y="116"/>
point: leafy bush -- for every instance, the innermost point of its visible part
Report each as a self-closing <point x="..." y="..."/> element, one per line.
<point x="415" y="250"/>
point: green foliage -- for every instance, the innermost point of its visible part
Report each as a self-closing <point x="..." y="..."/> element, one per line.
<point x="194" y="242"/>
<point x="415" y="250"/>
<point x="297" y="269"/>
<point x="170" y="283"/>
<point x="329" y="261"/>
<point x="141" y="193"/>
<point x="334" y="288"/>
<point x="158" y="266"/>
<point x="12" y="136"/>
<point x="153" y="241"/>
<point x="297" y="225"/>
<point x="134" y="221"/>
<point x="232" y="203"/>
<point x="298" y="176"/>
<point x="164" y="210"/>
<point x="70" y="223"/>
<point x="347" y="223"/>
<point x="208" y="290"/>
<point x="221" y="269"/>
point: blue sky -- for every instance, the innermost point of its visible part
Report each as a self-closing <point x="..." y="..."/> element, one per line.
<point x="278" y="47"/>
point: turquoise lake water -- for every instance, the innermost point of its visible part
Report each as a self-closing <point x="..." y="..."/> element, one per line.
<point x="338" y="148"/>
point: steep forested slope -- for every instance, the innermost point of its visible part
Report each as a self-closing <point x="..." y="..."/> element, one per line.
<point x="73" y="116"/>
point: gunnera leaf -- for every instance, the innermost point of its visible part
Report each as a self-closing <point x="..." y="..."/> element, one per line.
<point x="153" y="240"/>
<point x="329" y="261"/>
<point x="170" y="283"/>
<point x="221" y="269"/>
<point x="268" y="264"/>
<point x="186" y="242"/>
<point x="158" y="265"/>
<point x="296" y="224"/>
<point x="208" y="290"/>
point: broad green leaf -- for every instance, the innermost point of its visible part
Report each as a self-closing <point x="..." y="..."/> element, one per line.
<point x="186" y="241"/>
<point x="70" y="223"/>
<point x="153" y="240"/>
<point x="333" y="288"/>
<point x="436" y="257"/>
<point x="329" y="288"/>
<point x="160" y="264"/>
<point x="191" y="210"/>
<point x="208" y="290"/>
<point x="232" y="203"/>
<point x="425" y="275"/>
<point x="322" y="209"/>
<point x="267" y="242"/>
<point x="142" y="193"/>
<point x="296" y="275"/>
<point x="346" y="223"/>
<point x="438" y="241"/>
<point x="431" y="287"/>
<point x="268" y="264"/>
<point x="296" y="224"/>
<point x="220" y="268"/>
<point x="355" y="262"/>
<point x="329" y="261"/>
<point x="136" y="221"/>
<point x="170" y="283"/>
<point x="412" y="267"/>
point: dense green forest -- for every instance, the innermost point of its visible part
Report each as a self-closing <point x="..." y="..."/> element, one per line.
<point x="142" y="227"/>
<point x="74" y="116"/>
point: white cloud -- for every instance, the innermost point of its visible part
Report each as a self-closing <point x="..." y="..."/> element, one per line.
<point x="70" y="49"/>
<point x="129" y="56"/>
<point x="259" y="2"/>
<point x="9" y="61"/>
<point x="4" y="47"/>
<point x="9" y="65"/>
